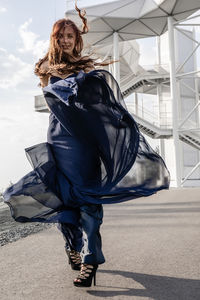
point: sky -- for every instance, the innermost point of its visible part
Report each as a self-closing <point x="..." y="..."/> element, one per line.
<point x="25" y="27"/>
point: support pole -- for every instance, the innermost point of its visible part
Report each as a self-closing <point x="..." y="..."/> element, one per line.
<point x="136" y="104"/>
<point x="174" y="96"/>
<point x="162" y="148"/>
<point x="161" y="121"/>
<point x="196" y="84"/>
<point x="110" y="67"/>
<point x="159" y="93"/>
<point x="158" y="51"/>
<point x="116" y="65"/>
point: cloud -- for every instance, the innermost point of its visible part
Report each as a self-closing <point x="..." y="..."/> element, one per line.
<point x="40" y="48"/>
<point x="2" y="50"/>
<point x="13" y="70"/>
<point x="28" y="37"/>
<point x="30" y="43"/>
<point x="3" y="9"/>
<point x="20" y="128"/>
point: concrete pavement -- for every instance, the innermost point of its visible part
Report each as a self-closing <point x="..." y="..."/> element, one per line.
<point x="152" y="250"/>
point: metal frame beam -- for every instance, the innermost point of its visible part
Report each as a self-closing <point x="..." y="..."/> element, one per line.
<point x="174" y="92"/>
<point x="189" y="75"/>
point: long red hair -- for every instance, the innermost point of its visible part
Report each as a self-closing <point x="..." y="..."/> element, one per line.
<point x="58" y="60"/>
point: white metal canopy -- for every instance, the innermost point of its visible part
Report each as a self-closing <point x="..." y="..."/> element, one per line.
<point x="133" y="19"/>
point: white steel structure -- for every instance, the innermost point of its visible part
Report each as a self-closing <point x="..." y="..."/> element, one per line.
<point x="126" y="20"/>
<point x="132" y="19"/>
<point x="156" y="81"/>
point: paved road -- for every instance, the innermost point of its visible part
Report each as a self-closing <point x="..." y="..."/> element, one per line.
<point x="152" y="247"/>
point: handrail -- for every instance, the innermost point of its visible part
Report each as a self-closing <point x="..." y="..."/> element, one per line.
<point x="152" y="118"/>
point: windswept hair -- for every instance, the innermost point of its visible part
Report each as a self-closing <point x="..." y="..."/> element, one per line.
<point x="60" y="61"/>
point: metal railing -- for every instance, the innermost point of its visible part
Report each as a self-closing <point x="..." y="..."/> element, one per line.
<point x="144" y="113"/>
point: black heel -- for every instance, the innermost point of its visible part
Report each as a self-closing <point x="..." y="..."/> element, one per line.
<point x="94" y="278"/>
<point x="87" y="274"/>
<point x="74" y="259"/>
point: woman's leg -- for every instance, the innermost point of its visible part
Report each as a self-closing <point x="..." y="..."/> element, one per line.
<point x="91" y="219"/>
<point x="72" y="236"/>
<point x="84" y="237"/>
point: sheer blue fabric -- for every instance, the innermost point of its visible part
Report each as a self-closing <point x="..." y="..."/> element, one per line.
<point x="94" y="153"/>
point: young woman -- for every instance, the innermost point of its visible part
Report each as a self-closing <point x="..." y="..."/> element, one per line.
<point x="94" y="153"/>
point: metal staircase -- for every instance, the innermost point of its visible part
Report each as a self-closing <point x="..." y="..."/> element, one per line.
<point x="156" y="132"/>
<point x="145" y="82"/>
<point x="149" y="80"/>
<point x="152" y="130"/>
<point x="191" y="140"/>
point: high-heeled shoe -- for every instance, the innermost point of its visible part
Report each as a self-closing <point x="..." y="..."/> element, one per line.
<point x="86" y="275"/>
<point x="74" y="259"/>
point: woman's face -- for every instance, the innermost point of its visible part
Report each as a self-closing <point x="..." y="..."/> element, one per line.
<point x="67" y="39"/>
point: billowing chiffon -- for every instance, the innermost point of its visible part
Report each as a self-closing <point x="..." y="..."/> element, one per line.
<point x="94" y="153"/>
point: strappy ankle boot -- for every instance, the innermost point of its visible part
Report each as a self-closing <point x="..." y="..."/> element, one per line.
<point x="74" y="259"/>
<point x="86" y="275"/>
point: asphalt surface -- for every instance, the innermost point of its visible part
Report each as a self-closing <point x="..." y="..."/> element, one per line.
<point x="152" y="250"/>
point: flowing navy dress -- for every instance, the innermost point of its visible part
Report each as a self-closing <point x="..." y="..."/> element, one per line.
<point x="94" y="153"/>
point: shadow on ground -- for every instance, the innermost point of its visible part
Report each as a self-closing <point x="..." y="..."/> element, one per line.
<point x="154" y="287"/>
